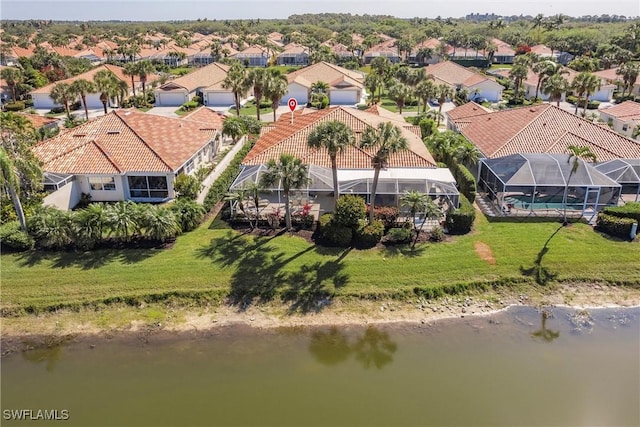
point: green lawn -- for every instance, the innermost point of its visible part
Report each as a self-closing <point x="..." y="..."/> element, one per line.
<point x="211" y="263"/>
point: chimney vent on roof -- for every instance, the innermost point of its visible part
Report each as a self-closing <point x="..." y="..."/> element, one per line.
<point x="113" y="132"/>
<point x="533" y="110"/>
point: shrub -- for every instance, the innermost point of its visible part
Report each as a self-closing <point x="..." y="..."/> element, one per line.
<point x="12" y="236"/>
<point x="303" y="219"/>
<point x="324" y="221"/>
<point x="466" y="181"/>
<point x="387" y="214"/>
<point x="368" y="235"/>
<point x="187" y="187"/>
<point x="615" y="226"/>
<point x="350" y="210"/>
<point x="189" y="105"/>
<point x="319" y="101"/>
<point x="57" y="110"/>
<point x="14" y="106"/>
<point x="437" y="234"/>
<point x="220" y="186"/>
<point x="460" y="221"/>
<point x="189" y="214"/>
<point x="629" y="210"/>
<point x="399" y="235"/>
<point x="51" y="228"/>
<point x="428" y="127"/>
<point x="197" y="99"/>
<point x="337" y="235"/>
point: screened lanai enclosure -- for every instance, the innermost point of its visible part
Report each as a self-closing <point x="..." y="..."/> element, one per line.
<point x="625" y="172"/>
<point x="392" y="184"/>
<point x="539" y="184"/>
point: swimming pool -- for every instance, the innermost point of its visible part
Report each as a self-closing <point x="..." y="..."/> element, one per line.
<point x="544" y="202"/>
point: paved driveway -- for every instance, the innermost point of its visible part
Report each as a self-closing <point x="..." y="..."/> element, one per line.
<point x="164" y="111"/>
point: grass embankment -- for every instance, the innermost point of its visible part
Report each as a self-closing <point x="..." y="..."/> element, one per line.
<point x="211" y="263"/>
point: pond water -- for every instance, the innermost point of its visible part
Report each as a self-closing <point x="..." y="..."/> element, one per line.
<point x="515" y="368"/>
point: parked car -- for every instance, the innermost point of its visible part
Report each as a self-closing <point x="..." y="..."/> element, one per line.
<point x="480" y="99"/>
<point x="434" y="103"/>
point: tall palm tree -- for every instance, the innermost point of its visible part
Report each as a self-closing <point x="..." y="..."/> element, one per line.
<point x="291" y="173"/>
<point x="82" y="88"/>
<point x="425" y="90"/>
<point x="237" y="81"/>
<point x="555" y="86"/>
<point x="320" y="87"/>
<point x="334" y="136"/>
<point x="258" y="79"/>
<point x="629" y="72"/>
<point x="61" y="93"/>
<point x="466" y="153"/>
<point x="400" y="93"/>
<point x="275" y="87"/>
<point x="13" y="76"/>
<point x="585" y="84"/>
<point x="130" y="69"/>
<point x="576" y="153"/>
<point x="443" y="92"/>
<point x="143" y="70"/>
<point x="373" y="82"/>
<point x="518" y="73"/>
<point x="544" y="69"/>
<point x="107" y="84"/>
<point x="21" y="174"/>
<point x="386" y="139"/>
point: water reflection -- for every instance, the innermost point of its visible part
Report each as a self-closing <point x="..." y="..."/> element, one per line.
<point x="49" y="352"/>
<point x="372" y="348"/>
<point x="547" y="335"/>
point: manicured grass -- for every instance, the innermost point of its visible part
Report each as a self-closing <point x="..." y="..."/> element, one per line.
<point x="213" y="263"/>
<point x="250" y="110"/>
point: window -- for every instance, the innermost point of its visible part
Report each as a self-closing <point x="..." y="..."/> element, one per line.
<point x="188" y="167"/>
<point x="625" y="127"/>
<point x="148" y="187"/>
<point x="102" y="183"/>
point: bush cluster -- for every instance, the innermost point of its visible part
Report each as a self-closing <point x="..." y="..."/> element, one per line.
<point x="629" y="210"/>
<point x="349" y="211"/>
<point x="368" y="235"/>
<point x="466" y="181"/>
<point x="387" y="214"/>
<point x="614" y="225"/>
<point x="333" y="233"/>
<point x="12" y="237"/>
<point x="460" y="221"/>
<point x="220" y="186"/>
<point x="189" y="105"/>
<point x="399" y="235"/>
<point x="14" y="106"/>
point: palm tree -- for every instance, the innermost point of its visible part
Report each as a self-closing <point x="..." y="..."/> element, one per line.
<point x="275" y="87"/>
<point x="82" y="88"/>
<point x="425" y="91"/>
<point x="629" y="72"/>
<point x="189" y="213"/>
<point x="89" y="225"/>
<point x="419" y="202"/>
<point x="334" y="136"/>
<point x="130" y="69"/>
<point x="575" y="154"/>
<point x="320" y="87"/>
<point x="555" y="86"/>
<point x="13" y="76"/>
<point x="143" y="70"/>
<point x="258" y="78"/>
<point x="160" y="223"/>
<point x="248" y="191"/>
<point x="443" y="92"/>
<point x="121" y="219"/>
<point x="386" y="139"/>
<point x="237" y="81"/>
<point x="518" y="73"/>
<point x="538" y="23"/>
<point x="61" y="93"/>
<point x="290" y="173"/>
<point x="585" y="84"/>
<point x="21" y="174"/>
<point x="400" y="93"/>
<point x="373" y="82"/>
<point x="467" y="153"/>
<point x="544" y="69"/>
<point x="234" y="128"/>
<point x="107" y="84"/>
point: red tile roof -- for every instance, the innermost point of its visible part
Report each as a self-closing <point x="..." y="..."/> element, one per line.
<point x="207" y="117"/>
<point x="326" y="72"/>
<point x="283" y="137"/>
<point x="124" y="141"/>
<point x="469" y="109"/>
<point x="455" y="74"/>
<point x="628" y="110"/>
<point x="38" y="121"/>
<point x="203" y="77"/>
<point x="543" y="128"/>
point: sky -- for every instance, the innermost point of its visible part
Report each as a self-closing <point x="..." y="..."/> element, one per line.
<point x="166" y="10"/>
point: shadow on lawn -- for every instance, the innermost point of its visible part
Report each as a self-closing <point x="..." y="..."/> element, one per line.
<point x="542" y="275"/>
<point x="85" y="260"/>
<point x="261" y="273"/>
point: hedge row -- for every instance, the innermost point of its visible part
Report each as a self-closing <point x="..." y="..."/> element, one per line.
<point x="615" y="226"/>
<point x="460" y="221"/>
<point x="220" y="186"/>
<point x="466" y="181"/>
<point x="629" y="210"/>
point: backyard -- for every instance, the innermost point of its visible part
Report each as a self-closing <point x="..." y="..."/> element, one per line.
<point x="215" y="262"/>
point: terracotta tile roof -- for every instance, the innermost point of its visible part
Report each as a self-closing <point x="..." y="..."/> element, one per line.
<point x="504" y="48"/>
<point x="124" y="141"/>
<point x="293" y="49"/>
<point x="388" y="47"/>
<point x="200" y="78"/>
<point x="628" y="110"/>
<point x="541" y="129"/>
<point x="118" y="71"/>
<point x="37" y="120"/>
<point x="541" y="50"/>
<point x="323" y="71"/>
<point x="207" y="117"/>
<point x="470" y="109"/>
<point x="282" y="137"/>
<point x="426" y="44"/>
<point x="455" y="74"/>
<point x="611" y="76"/>
<point x="252" y="51"/>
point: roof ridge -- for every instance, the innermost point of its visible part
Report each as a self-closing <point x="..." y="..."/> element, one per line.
<point x="142" y="139"/>
<point x="106" y="154"/>
<point x="523" y="127"/>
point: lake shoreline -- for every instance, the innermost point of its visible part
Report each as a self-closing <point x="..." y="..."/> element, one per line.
<point x="140" y="323"/>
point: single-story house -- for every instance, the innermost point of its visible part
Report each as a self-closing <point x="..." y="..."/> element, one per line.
<point x="254" y="56"/>
<point x="413" y="169"/>
<point x="546" y="52"/>
<point x="611" y="76"/>
<point x="42" y="99"/>
<point x="346" y="87"/>
<point x="504" y="53"/>
<point x="205" y="82"/>
<point x="386" y="49"/>
<point x="126" y="155"/>
<point x="623" y="118"/>
<point x="477" y="85"/>
<point x="417" y="57"/>
<point x="294" y="54"/>
<point x="470" y="109"/>
<point x="173" y="56"/>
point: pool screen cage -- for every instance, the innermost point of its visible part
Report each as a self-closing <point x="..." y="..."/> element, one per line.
<point x="537" y="182"/>
<point x="392" y="183"/>
<point x="625" y="172"/>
